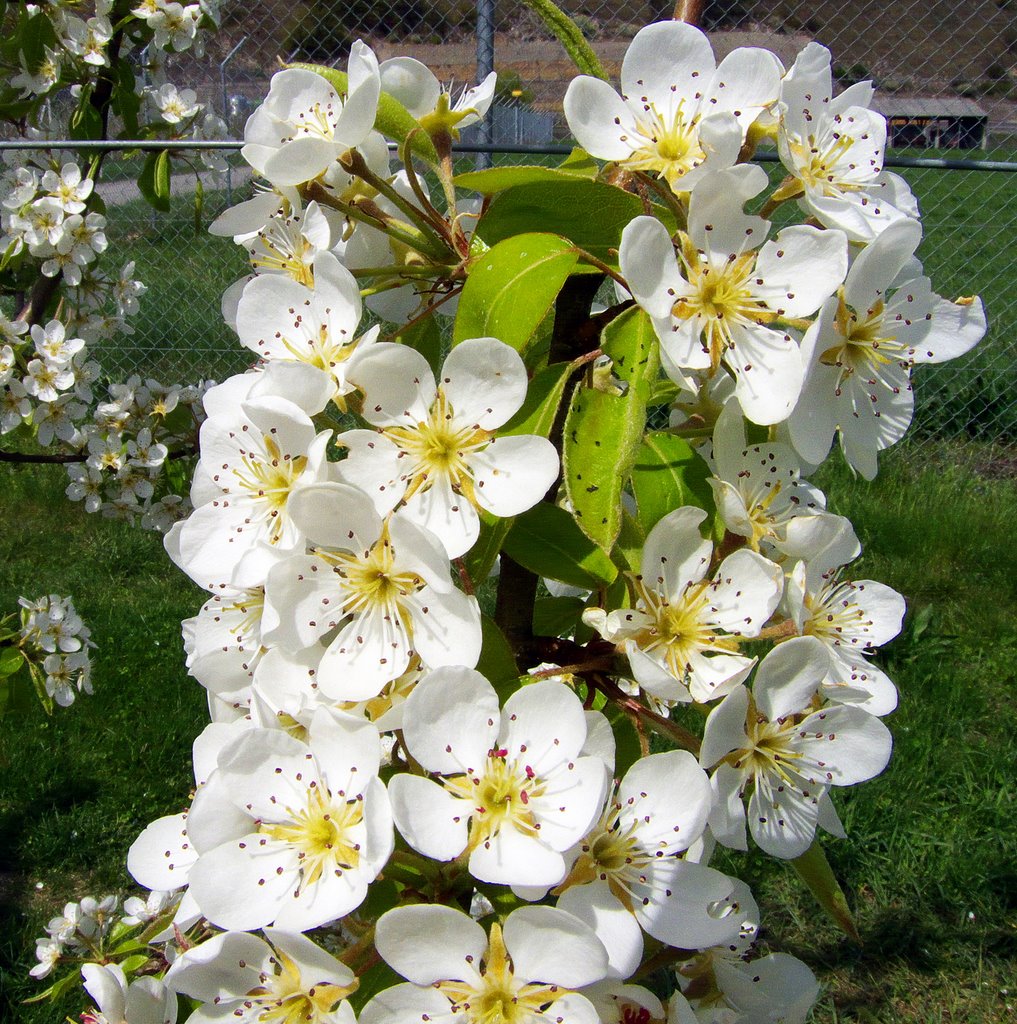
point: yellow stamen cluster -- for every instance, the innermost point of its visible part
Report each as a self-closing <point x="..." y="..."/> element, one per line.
<point x="285" y="998"/>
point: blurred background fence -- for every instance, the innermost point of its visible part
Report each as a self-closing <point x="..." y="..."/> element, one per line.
<point x="946" y="77"/>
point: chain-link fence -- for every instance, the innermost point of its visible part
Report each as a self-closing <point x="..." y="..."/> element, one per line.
<point x="946" y="76"/>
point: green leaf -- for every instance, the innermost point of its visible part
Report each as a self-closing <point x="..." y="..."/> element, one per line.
<point x="568" y="33"/>
<point x="627" y="748"/>
<point x="58" y="988"/>
<point x="814" y="870"/>
<point x="479" y="560"/>
<point x="497" y="179"/>
<point x="511" y="288"/>
<point x="86" y="121"/>
<point x="628" y="548"/>
<point x="11" y="659"/>
<point x="154" y="180"/>
<point x="603" y="430"/>
<point x="134" y="963"/>
<point x="393" y="119"/>
<point x="547" y="541"/>
<point x="580" y="164"/>
<point x="425" y="337"/>
<point x="199" y="204"/>
<point x="556" y="616"/>
<point x="592" y="214"/>
<point x="375" y="979"/>
<point x="543" y="396"/>
<point x="668" y="474"/>
<point x="497" y="664"/>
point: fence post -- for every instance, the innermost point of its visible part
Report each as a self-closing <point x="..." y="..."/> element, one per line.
<point x="485" y="65"/>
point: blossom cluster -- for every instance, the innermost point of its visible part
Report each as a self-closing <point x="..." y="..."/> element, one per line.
<point x="397" y="783"/>
<point x="54" y="643"/>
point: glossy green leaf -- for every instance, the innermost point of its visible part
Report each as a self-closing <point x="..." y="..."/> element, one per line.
<point x="479" y="560"/>
<point x="592" y="214"/>
<point x="375" y="979"/>
<point x="498" y="179"/>
<point x="603" y="430"/>
<point x="58" y="988"/>
<point x="11" y="659"/>
<point x="425" y="337"/>
<point x="497" y="664"/>
<point x="154" y="180"/>
<point x="393" y="119"/>
<point x="556" y="616"/>
<point x="815" y="871"/>
<point x="580" y="164"/>
<point x="543" y="396"/>
<point x="627" y="748"/>
<point x="628" y="548"/>
<point x="511" y="288"/>
<point x="668" y="474"/>
<point x="547" y="541"/>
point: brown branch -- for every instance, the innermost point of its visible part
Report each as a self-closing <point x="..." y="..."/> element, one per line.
<point x="40" y="459"/>
<point x="689" y="11"/>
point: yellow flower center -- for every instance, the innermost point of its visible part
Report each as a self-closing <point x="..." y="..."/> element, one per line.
<point x="285" y="998"/>
<point x="668" y="145"/>
<point x="438" y="448"/>
<point x="721" y="297"/>
<point x="322" y="833"/>
<point x="500" y="998"/>
<point x="270" y="477"/>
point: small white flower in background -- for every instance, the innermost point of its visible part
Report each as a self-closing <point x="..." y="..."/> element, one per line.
<point x="40" y="80"/>
<point x="680" y="114"/>
<point x="53" y="345"/>
<point x="68" y="187"/>
<point x="141" y="911"/>
<point x="435" y="449"/>
<point x="175" y="105"/>
<point x="833" y="150"/>
<point x="728" y="296"/>
<point x="682" y="635"/>
<point x="791" y="753"/>
<point x="143" y="1001"/>
<point x="525" y="972"/>
<point x="15" y="406"/>
<point x="242" y="978"/>
<point x="511" y="785"/>
<point x="48" y="953"/>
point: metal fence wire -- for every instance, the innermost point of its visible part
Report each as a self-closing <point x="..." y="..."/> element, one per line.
<point x="946" y="77"/>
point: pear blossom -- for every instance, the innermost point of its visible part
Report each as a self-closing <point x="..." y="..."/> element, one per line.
<point x="679" y="113"/>
<point x="303" y="126"/>
<point x="833" y="150"/>
<point x="524" y="972"/>
<point x="414" y="85"/>
<point x="859" y="353"/>
<point x="728" y="297"/>
<point x="243" y="977"/>
<point x="434" y="448"/>
<point x="851" y="618"/>
<point x="281" y="319"/>
<point x="682" y="635"/>
<point x="143" y="1001"/>
<point x="774" y="740"/>
<point x="175" y="106"/>
<point x="293" y="833"/>
<point x="252" y="462"/>
<point x="513" y="789"/>
<point x="383" y="584"/>
<point x="629" y="873"/>
<point x="68" y="187"/>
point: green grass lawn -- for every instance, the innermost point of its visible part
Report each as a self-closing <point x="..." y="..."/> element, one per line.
<point x="929" y="866"/>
